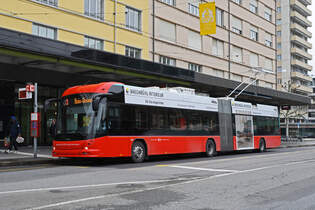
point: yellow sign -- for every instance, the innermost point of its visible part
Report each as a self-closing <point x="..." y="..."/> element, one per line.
<point x="207" y="18"/>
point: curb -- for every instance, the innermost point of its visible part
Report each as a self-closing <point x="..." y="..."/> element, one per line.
<point x="298" y="145"/>
<point x="25" y="161"/>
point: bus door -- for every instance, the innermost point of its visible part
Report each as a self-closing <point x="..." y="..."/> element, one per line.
<point x="225" y="125"/>
<point x="244" y="132"/>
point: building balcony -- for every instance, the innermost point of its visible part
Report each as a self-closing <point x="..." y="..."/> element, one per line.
<point x="301" y="19"/>
<point x="301" y="64"/>
<point x="302" y="53"/>
<point x="297" y="5"/>
<point x="301" y="41"/>
<point x="306" y="2"/>
<point x="301" y="88"/>
<point x="298" y="28"/>
<point x="301" y="76"/>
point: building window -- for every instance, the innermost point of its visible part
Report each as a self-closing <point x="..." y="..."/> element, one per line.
<point x="93" y="43"/>
<point x="278" y="9"/>
<point x="278" y="33"/>
<point x="237" y="54"/>
<point x="217" y="48"/>
<point x="194" y="67"/>
<point x="278" y="22"/>
<point x="279" y="46"/>
<point x="219" y="17"/>
<point x="193" y="8"/>
<point x="268" y="40"/>
<point x="167" y="61"/>
<point x="279" y="57"/>
<point x="253" y="6"/>
<point x="170" y="2"/>
<point x="167" y="30"/>
<point x="94" y="8"/>
<point x="254" y="33"/>
<point x="44" y="31"/>
<point x="279" y="69"/>
<point x="253" y="60"/>
<point x="268" y="14"/>
<point x="236" y="25"/>
<point x="268" y="64"/>
<point x="237" y="1"/>
<point x="194" y="40"/>
<point x="133" y="19"/>
<point x="236" y="77"/>
<point x="49" y="2"/>
<point x="133" y="52"/>
<point x="218" y="73"/>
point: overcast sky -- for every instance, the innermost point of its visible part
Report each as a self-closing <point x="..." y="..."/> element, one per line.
<point x="313" y="38"/>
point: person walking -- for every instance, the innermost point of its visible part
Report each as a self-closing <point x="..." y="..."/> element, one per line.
<point x="52" y="129"/>
<point x="13" y="131"/>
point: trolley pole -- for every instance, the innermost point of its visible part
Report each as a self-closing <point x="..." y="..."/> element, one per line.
<point x="35" y="111"/>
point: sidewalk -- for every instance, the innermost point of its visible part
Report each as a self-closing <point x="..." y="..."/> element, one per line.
<point x="25" y="154"/>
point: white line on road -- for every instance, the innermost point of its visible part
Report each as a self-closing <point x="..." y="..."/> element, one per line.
<point x="203" y="169"/>
<point x="164" y="186"/>
<point x="91" y="186"/>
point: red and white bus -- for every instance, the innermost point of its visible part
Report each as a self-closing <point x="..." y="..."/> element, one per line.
<point x="115" y="120"/>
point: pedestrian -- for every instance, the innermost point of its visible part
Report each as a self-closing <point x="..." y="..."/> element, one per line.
<point x="52" y="129"/>
<point x="13" y="131"/>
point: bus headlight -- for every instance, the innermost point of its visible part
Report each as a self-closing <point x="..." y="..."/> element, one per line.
<point x="54" y="148"/>
<point x="86" y="148"/>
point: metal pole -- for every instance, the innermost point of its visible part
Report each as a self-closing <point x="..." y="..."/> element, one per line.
<point x="153" y="36"/>
<point x="229" y="30"/>
<point x="245" y="88"/>
<point x="35" y="111"/>
<point x="115" y="26"/>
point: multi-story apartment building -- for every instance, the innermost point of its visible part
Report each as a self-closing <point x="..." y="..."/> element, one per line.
<point x="113" y="26"/>
<point x="245" y="39"/>
<point x="293" y="45"/>
<point x="165" y="31"/>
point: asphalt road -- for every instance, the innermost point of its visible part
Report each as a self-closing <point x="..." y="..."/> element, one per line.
<point x="278" y="179"/>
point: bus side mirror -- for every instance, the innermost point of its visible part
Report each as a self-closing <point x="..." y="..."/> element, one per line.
<point x="95" y="103"/>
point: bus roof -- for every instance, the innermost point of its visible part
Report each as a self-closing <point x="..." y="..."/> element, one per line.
<point x="165" y="98"/>
<point x="93" y="88"/>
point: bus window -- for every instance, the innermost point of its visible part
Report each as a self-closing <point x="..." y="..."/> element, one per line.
<point x="141" y="119"/>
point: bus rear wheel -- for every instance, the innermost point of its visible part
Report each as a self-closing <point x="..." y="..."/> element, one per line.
<point x="138" y="152"/>
<point x="262" y="146"/>
<point x="210" y="148"/>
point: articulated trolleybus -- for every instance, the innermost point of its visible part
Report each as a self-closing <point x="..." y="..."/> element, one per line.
<point x="115" y="120"/>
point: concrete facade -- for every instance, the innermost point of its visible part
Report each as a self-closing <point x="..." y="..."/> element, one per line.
<point x="293" y="45"/>
<point x="179" y="16"/>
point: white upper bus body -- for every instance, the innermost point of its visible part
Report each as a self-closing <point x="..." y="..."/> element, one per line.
<point x="165" y="98"/>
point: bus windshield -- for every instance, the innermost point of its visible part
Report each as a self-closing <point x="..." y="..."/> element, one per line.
<point x="76" y="117"/>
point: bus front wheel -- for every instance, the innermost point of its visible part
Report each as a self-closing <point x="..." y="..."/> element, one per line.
<point x="262" y="146"/>
<point x="138" y="152"/>
<point x="210" y="149"/>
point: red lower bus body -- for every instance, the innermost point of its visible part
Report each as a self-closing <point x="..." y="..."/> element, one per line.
<point x="120" y="146"/>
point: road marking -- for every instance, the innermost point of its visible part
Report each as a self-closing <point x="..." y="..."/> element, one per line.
<point x="91" y="186"/>
<point x="22" y="169"/>
<point x="203" y="169"/>
<point x="250" y="157"/>
<point x="164" y="186"/>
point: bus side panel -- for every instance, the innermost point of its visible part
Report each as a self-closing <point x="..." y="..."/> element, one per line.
<point x="188" y="144"/>
<point x="116" y="146"/>
<point x="271" y="141"/>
